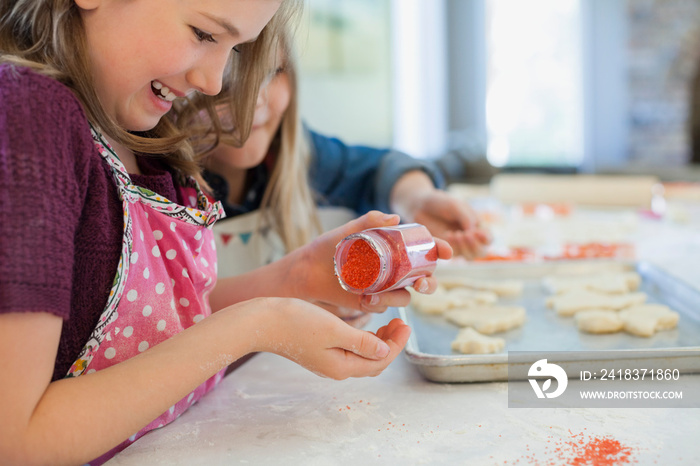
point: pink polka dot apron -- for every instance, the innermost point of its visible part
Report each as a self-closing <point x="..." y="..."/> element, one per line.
<point x="166" y="271"/>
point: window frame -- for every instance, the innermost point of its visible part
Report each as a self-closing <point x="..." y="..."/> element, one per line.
<point x="446" y="84"/>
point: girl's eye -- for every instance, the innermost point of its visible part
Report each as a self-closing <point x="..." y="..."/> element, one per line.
<point x="203" y="36"/>
<point x="236" y="49"/>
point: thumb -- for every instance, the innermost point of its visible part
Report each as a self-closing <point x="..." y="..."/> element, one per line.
<point x="367" y="345"/>
<point x="372" y="219"/>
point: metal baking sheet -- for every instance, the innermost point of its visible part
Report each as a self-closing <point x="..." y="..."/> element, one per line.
<point x="429" y="346"/>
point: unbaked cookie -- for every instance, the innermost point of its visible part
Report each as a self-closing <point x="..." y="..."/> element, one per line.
<point x="458" y="295"/>
<point x="469" y="341"/>
<point x="646" y="319"/>
<point x="605" y="283"/>
<point x="444" y="299"/>
<point x="598" y="321"/>
<point x="500" y="287"/>
<point x="568" y="304"/>
<point x="435" y="303"/>
<point x="488" y="319"/>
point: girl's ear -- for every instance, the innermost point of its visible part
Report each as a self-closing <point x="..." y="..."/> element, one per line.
<point x="87" y="4"/>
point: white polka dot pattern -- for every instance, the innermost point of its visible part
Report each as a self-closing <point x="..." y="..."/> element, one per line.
<point x="158" y="291"/>
<point x="165" y="290"/>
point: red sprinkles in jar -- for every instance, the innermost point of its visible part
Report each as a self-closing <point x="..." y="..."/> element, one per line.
<point x="362" y="266"/>
<point x="382" y="259"/>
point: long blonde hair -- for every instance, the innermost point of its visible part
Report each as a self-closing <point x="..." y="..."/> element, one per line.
<point x="288" y="202"/>
<point x="48" y="36"/>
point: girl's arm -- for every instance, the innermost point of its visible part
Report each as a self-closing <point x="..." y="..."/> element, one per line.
<point x="363" y="178"/>
<point x="415" y="199"/>
<point x="360" y="177"/>
<point x="75" y="420"/>
<point x="308" y="273"/>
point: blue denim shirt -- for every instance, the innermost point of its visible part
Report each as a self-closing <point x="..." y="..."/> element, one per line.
<point x="357" y="177"/>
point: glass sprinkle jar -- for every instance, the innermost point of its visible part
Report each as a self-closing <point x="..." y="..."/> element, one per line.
<point x="382" y="259"/>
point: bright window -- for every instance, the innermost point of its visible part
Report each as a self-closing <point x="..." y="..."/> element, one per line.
<point x="345" y="65"/>
<point x="534" y="110"/>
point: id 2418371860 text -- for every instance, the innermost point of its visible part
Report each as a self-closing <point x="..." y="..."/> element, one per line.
<point x="631" y="374"/>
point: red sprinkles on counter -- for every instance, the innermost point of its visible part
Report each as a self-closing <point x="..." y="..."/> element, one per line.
<point x="601" y="451"/>
<point x="582" y="450"/>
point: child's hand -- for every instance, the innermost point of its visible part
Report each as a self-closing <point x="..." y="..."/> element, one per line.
<point x="353" y="317"/>
<point x="312" y="269"/>
<point x="454" y="221"/>
<point x="323" y="343"/>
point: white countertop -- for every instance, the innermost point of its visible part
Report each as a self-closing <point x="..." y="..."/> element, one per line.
<point x="271" y="411"/>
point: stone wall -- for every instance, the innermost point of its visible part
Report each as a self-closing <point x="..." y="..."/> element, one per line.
<point x="664" y="53"/>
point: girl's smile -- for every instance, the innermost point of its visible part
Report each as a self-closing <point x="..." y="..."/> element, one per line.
<point x="163" y="96"/>
<point x="163" y="92"/>
<point x="146" y="53"/>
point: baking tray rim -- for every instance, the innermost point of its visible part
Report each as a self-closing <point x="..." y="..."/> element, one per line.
<point x="419" y="358"/>
<point x="430" y="359"/>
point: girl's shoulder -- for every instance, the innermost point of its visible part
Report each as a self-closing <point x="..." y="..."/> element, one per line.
<point x="40" y="116"/>
<point x="39" y="96"/>
<point x="17" y="77"/>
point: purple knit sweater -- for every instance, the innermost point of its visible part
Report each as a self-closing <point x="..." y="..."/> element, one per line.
<point x="60" y="214"/>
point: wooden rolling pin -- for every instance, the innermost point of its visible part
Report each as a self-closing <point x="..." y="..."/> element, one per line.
<point x="592" y="190"/>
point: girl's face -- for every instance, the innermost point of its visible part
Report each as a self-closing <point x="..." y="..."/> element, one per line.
<point x="273" y="101"/>
<point x="146" y="53"/>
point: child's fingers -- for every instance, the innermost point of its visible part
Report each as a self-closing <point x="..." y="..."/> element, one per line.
<point x="378" y="303"/>
<point x="426" y="285"/>
<point x="450" y="210"/>
<point x="372" y="219"/>
<point x="381" y="331"/>
<point x="459" y="244"/>
<point x="472" y="243"/>
<point x="484" y="236"/>
<point x="395" y="335"/>
<point x="367" y="345"/>
<point x="387" y="329"/>
<point x="466" y="217"/>
<point x="377" y="346"/>
<point x="443" y="248"/>
<point x="391" y="327"/>
<point x="469" y="244"/>
<point x="358" y="320"/>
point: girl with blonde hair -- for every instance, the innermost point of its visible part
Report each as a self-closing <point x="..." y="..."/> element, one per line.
<point x="272" y="186"/>
<point x="112" y="321"/>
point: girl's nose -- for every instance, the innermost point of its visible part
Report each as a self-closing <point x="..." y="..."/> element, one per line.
<point x="207" y="76"/>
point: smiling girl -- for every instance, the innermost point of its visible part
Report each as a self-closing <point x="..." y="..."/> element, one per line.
<point x="112" y="321"/>
<point x="272" y="185"/>
<point x="286" y="183"/>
